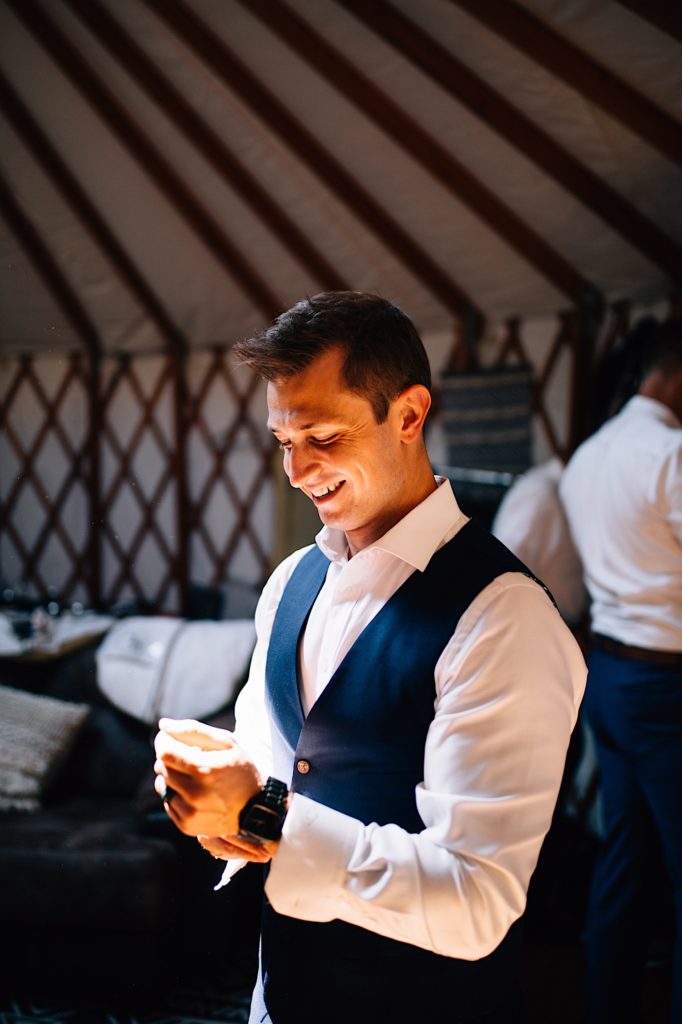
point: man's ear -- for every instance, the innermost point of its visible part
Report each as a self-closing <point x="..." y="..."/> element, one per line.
<point x="413" y="405"/>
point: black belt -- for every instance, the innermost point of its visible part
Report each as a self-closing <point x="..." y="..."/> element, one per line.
<point x="606" y="643"/>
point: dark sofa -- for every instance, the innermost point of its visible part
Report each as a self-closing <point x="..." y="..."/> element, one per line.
<point x="98" y="890"/>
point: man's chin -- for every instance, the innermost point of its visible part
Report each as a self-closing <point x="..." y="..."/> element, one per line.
<point x="331" y="517"/>
<point x="326" y="515"/>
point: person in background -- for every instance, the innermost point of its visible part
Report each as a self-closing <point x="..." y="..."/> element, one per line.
<point x="400" y="741"/>
<point x="622" y="493"/>
<point x="531" y="522"/>
<point x="530" y="519"/>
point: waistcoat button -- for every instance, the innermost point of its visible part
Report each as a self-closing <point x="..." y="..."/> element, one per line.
<point x="303" y="767"/>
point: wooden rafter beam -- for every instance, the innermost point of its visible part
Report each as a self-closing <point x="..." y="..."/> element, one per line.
<point x="507" y="120"/>
<point x="207" y="141"/>
<point x="35" y="139"/>
<point x="664" y="14"/>
<point x="50" y="36"/>
<point x="421" y="146"/>
<point x="49" y="270"/>
<point x="228" y="68"/>
<point x="594" y="81"/>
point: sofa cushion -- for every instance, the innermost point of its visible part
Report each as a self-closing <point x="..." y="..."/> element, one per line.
<point x="85" y="864"/>
<point x="36" y="734"/>
<point x="112" y="756"/>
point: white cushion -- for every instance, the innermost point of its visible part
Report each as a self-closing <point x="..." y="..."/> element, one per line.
<point x="159" y="666"/>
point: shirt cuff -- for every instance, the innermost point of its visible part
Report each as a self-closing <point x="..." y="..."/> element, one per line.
<point x="308" y="872"/>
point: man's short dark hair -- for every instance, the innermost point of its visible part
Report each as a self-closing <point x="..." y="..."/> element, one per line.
<point x="383" y="351"/>
<point x="664" y="350"/>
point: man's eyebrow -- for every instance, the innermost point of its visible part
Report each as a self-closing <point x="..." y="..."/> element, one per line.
<point x="314" y="425"/>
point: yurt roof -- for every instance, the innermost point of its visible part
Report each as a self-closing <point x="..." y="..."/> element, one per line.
<point x="176" y="172"/>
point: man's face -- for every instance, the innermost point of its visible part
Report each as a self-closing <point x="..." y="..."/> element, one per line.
<point x="352" y="468"/>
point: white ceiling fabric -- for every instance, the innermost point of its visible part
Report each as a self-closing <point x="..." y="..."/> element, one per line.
<point x="207" y="303"/>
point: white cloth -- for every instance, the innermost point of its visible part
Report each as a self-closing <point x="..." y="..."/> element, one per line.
<point x="160" y="666"/>
<point x="531" y="521"/>
<point x="622" y="492"/>
<point x="506" y="694"/>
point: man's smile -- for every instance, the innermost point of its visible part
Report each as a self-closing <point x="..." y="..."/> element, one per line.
<point x="324" y="492"/>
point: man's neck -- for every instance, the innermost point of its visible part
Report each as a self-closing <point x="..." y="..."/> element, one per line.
<point x="664" y="388"/>
<point x="421" y="486"/>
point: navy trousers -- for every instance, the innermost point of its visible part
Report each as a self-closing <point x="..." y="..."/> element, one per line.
<point x="635" y="711"/>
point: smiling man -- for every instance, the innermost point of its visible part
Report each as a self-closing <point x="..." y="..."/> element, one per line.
<point x="401" y="739"/>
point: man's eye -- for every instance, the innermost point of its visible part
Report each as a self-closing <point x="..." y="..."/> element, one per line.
<point x="284" y="446"/>
<point x="322" y="441"/>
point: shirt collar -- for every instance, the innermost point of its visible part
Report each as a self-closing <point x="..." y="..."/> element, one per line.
<point x="415" y="538"/>
<point x="655" y="409"/>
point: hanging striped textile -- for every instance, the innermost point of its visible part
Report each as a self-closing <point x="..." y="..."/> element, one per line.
<point x="487" y="418"/>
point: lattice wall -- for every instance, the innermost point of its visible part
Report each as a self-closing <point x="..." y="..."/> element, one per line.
<point x="552" y="352"/>
<point x="136" y="477"/>
<point x="563" y="370"/>
<point x="44" y="470"/>
<point x="115" y="488"/>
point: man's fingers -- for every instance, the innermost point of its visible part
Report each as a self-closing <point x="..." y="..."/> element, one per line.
<point x="177" y="754"/>
<point x="177" y="811"/>
<point x="196" y="734"/>
<point x="232" y="847"/>
<point x="219" y="847"/>
<point x="173" y="781"/>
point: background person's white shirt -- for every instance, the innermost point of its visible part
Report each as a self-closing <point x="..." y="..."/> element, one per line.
<point x="531" y="521"/>
<point x="506" y="694"/>
<point x="622" y="492"/>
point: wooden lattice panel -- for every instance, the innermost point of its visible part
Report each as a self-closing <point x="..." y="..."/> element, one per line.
<point x="160" y="481"/>
<point x="566" y="401"/>
<point x="139" y="532"/>
<point x="44" y="514"/>
<point x="162" y="476"/>
<point x="229" y="473"/>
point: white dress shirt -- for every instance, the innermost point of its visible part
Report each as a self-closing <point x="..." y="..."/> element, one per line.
<point x="506" y="694"/>
<point x="531" y="521"/>
<point x="622" y="491"/>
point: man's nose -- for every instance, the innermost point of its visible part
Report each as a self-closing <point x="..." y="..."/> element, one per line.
<point x="300" y="462"/>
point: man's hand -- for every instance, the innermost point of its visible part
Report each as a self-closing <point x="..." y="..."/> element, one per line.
<point x="238" y="848"/>
<point x="210" y="774"/>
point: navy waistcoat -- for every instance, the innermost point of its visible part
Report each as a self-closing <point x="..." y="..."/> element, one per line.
<point x="361" y="751"/>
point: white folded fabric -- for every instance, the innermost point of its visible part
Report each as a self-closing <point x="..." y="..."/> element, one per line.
<point x="161" y="666"/>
